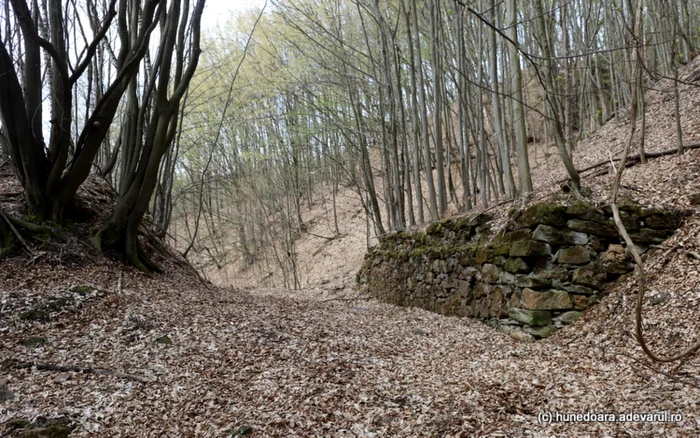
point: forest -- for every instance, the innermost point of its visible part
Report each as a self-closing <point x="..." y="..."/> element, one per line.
<point x="190" y="214"/>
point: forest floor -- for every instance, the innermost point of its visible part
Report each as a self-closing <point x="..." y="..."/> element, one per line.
<point x="108" y="351"/>
<point x="168" y="356"/>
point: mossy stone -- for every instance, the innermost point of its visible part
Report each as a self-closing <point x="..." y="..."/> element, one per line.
<point x="533" y="282"/>
<point x="245" y="429"/>
<point x="34" y="342"/>
<point x="17" y="423"/>
<point x="586" y="211"/>
<point x="82" y="290"/>
<point x="447" y="224"/>
<point x="433" y="228"/>
<point x="548" y="300"/>
<point x="165" y="340"/>
<point x="516" y="265"/>
<point x="41" y="428"/>
<point x="569" y="317"/>
<point x="648" y="235"/>
<point x="542" y="213"/>
<point x="501" y="244"/>
<point x="625" y="203"/>
<point x="461" y="223"/>
<point x="42" y="312"/>
<point x="483" y="255"/>
<point x="467" y="258"/>
<point x="480" y="219"/>
<point x="559" y="237"/>
<point x="575" y="255"/>
<point x="529" y="248"/>
<point x="501" y="248"/>
<point x="592" y="276"/>
<point x="52" y="431"/>
<point x="542" y="332"/>
<point x="534" y="318"/>
<point x="666" y="220"/>
<point x="606" y="230"/>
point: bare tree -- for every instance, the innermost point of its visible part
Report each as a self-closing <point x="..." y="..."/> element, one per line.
<point x="52" y="173"/>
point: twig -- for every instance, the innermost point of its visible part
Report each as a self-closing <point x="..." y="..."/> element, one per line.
<point x="35" y="258"/>
<point x="337" y="236"/>
<point x="670" y="250"/>
<point x="693" y="254"/>
<point x="17" y="235"/>
<point x="14" y="364"/>
<point x="501" y="203"/>
<point x="120" y="281"/>
<point x="346" y="299"/>
<point x="612" y="162"/>
<point x="658" y="371"/>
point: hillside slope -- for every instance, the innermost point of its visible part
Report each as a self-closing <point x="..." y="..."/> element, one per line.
<point x="112" y="352"/>
<point x="322" y="261"/>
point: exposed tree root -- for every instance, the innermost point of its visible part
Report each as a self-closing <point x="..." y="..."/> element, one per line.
<point x="639" y="322"/>
<point x="118" y="239"/>
<point x="16" y="233"/>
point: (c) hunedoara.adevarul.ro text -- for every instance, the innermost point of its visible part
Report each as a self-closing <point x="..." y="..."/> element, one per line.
<point x="547" y="417"/>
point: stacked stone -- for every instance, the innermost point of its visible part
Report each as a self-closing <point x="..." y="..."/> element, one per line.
<point x="551" y="263"/>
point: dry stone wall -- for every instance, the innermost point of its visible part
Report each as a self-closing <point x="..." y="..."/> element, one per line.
<point x="549" y="264"/>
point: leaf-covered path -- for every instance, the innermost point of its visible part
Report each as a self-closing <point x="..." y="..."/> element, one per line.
<point x="284" y="363"/>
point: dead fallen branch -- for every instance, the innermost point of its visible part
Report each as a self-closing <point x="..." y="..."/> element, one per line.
<point x="13" y="364"/>
<point x="328" y="241"/>
<point x="629" y="161"/>
<point x="334" y="237"/>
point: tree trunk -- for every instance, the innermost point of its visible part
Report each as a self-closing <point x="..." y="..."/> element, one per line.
<point x="519" y="114"/>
